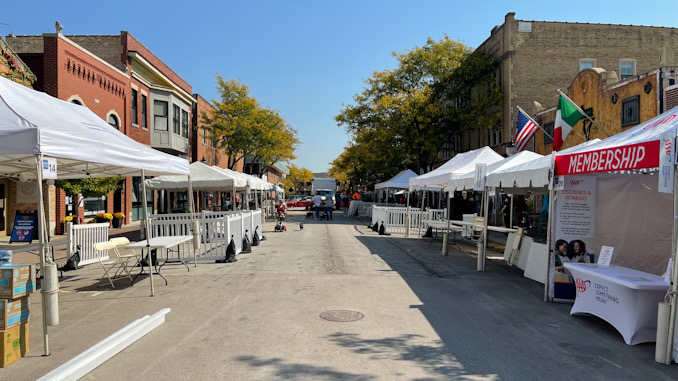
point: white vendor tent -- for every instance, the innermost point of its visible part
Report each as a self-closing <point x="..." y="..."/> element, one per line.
<point x="254" y="182"/>
<point x="531" y="176"/>
<point x="203" y="178"/>
<point x="34" y="123"/>
<point x="399" y="181"/>
<point x="635" y="211"/>
<point x="35" y="128"/>
<point x="460" y="164"/>
<point x="467" y="181"/>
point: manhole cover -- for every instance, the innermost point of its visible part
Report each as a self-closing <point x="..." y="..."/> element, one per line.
<point x="341" y="315"/>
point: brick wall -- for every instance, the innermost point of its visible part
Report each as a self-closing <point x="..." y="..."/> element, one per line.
<point x="132" y="44"/>
<point x="671" y="98"/>
<point x="542" y="57"/>
<point x="590" y="90"/>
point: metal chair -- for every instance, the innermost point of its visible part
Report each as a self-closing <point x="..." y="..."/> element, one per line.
<point x="119" y="265"/>
<point x="120" y="244"/>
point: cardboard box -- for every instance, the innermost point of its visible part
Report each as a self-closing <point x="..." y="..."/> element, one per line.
<point x="13" y="312"/>
<point x="16" y="281"/>
<point x="14" y="344"/>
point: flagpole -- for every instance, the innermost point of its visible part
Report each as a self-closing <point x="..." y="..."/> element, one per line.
<point x="583" y="113"/>
<point x="535" y="123"/>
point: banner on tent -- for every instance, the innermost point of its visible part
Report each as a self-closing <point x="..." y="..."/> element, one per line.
<point x="576" y="208"/>
<point x="630" y="157"/>
<point x="575" y="219"/>
<point x="479" y="180"/>
<point x="666" y="154"/>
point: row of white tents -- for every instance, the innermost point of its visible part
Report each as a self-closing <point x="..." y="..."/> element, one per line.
<point x="41" y="134"/>
<point x="631" y="213"/>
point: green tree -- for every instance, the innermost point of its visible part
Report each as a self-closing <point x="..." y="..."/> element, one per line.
<point x="404" y="116"/>
<point x="245" y="129"/>
<point x="297" y="178"/>
<point x="88" y="187"/>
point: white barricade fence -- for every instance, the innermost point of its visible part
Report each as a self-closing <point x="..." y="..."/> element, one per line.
<point x="363" y="208"/>
<point x="216" y="229"/>
<point x="86" y="235"/>
<point x="395" y="218"/>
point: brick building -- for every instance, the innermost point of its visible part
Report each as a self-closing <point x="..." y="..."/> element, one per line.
<point x="125" y="84"/>
<point x="614" y="106"/>
<point x="535" y="58"/>
<point x="13" y="193"/>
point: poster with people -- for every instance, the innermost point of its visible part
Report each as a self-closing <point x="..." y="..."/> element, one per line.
<point x="574" y="222"/>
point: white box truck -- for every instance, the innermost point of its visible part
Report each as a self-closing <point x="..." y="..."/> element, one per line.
<point x="326" y="187"/>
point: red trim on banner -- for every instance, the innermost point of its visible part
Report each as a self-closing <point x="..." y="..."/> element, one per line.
<point x="634" y="156"/>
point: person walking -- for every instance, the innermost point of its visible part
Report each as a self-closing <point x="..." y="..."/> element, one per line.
<point x="317" y="203"/>
<point x="346" y="203"/>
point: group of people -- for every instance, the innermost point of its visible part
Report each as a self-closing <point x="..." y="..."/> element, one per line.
<point x="575" y="251"/>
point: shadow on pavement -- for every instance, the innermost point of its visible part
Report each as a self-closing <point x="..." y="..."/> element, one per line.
<point x="284" y="370"/>
<point x="496" y="324"/>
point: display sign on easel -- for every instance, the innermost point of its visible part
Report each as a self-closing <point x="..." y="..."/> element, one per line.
<point x="605" y="256"/>
<point x="24" y="226"/>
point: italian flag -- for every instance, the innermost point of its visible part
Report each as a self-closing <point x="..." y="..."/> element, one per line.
<point x="566" y="117"/>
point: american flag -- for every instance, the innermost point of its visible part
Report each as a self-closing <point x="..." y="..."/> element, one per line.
<point x="524" y="130"/>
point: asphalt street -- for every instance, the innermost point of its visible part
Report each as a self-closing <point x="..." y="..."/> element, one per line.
<point x="422" y="316"/>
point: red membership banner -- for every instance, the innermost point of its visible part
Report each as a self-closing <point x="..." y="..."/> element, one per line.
<point x="624" y="158"/>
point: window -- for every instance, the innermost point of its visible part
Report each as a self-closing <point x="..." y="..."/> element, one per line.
<point x="135" y="116"/>
<point x="627" y="69"/>
<point x="76" y="102"/>
<point x="184" y="123"/>
<point x="137" y="200"/>
<point x="586" y="63"/>
<point x="456" y="144"/>
<point x="630" y="109"/>
<point x="113" y="121"/>
<point x="144" y="111"/>
<point x="160" y="115"/>
<point x="176" y="119"/>
<point x="548" y="127"/>
<point x="204" y="137"/>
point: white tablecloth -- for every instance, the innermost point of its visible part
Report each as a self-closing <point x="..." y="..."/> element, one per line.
<point x="623" y="297"/>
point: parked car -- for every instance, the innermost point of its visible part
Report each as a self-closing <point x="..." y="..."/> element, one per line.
<point x="293" y="201"/>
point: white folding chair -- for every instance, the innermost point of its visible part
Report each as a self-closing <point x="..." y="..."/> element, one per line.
<point x="118" y="265"/>
<point x="120" y="244"/>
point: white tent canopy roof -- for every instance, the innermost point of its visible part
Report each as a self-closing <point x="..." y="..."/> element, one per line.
<point x="533" y="175"/>
<point x="34" y="123"/>
<point x="460" y="164"/>
<point x="203" y="178"/>
<point x="467" y="181"/>
<point x="641" y="144"/>
<point x="399" y="181"/>
<point x="255" y="182"/>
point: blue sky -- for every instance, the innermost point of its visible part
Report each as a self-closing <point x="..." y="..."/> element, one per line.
<point x="305" y="59"/>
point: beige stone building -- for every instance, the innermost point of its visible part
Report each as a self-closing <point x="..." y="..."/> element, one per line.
<point x="536" y="58"/>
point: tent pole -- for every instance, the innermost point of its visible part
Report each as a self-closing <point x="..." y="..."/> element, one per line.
<point x="421" y="218"/>
<point x="446" y="238"/>
<point x="43" y="260"/>
<point x="407" y="216"/>
<point x="549" y="228"/>
<point x="195" y="228"/>
<point x="486" y="207"/>
<point x="511" y="213"/>
<point x="147" y="227"/>
<point x="674" y="274"/>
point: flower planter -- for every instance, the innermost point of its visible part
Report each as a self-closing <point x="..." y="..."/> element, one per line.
<point x="117" y="222"/>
